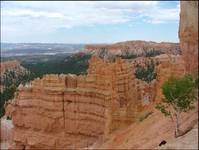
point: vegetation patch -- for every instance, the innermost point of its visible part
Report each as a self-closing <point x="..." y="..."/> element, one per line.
<point x="147" y="72"/>
<point x="179" y="95"/>
<point x="152" y="53"/>
<point x="10" y="82"/>
<point x="75" y="64"/>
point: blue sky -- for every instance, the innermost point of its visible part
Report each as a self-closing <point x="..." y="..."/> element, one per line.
<point x="89" y="21"/>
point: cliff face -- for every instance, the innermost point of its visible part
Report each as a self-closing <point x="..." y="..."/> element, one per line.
<point x="59" y="112"/>
<point x="134" y="47"/>
<point x="188" y="34"/>
<point x="68" y="111"/>
<point x="11" y="66"/>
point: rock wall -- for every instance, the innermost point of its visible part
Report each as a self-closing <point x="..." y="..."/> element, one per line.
<point x="121" y="75"/>
<point x="68" y="111"/>
<point x="59" y="112"/>
<point x="188" y="34"/>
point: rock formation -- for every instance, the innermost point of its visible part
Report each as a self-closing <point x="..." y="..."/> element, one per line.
<point x="68" y="111"/>
<point x="188" y="34"/>
<point x="135" y="47"/>
<point x="59" y="112"/>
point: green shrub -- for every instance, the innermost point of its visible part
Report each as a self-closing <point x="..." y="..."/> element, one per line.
<point x="146" y="73"/>
<point x="179" y="95"/>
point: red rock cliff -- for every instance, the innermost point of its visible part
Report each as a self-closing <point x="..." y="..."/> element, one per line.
<point x="59" y="112"/>
<point x="188" y="34"/>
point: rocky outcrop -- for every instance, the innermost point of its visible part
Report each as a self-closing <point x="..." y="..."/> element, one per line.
<point x="133" y="47"/>
<point x="188" y="34"/>
<point x="122" y="85"/>
<point x="59" y="112"/>
<point x="68" y="111"/>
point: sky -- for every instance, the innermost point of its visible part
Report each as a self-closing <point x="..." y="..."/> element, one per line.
<point x="89" y="21"/>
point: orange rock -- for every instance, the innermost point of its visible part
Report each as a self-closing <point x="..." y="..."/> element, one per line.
<point x="136" y="47"/>
<point x="188" y="34"/>
<point x="81" y="109"/>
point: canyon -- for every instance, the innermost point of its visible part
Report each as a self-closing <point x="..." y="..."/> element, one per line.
<point x="100" y="109"/>
<point x="74" y="111"/>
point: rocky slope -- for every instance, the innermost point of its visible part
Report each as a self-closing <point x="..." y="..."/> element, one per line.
<point x="148" y="133"/>
<point x="134" y="47"/>
<point x="187" y="141"/>
<point x="11" y="65"/>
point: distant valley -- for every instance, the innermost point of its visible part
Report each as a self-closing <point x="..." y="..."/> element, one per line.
<point x="25" y="49"/>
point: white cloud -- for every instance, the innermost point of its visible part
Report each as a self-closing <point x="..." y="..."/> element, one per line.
<point x="162" y="15"/>
<point x="91" y="13"/>
<point x="31" y="13"/>
<point x="33" y="17"/>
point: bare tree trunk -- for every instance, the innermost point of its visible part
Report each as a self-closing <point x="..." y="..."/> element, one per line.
<point x="177" y="126"/>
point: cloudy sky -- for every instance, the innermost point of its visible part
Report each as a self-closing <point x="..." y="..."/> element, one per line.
<point x="89" y="22"/>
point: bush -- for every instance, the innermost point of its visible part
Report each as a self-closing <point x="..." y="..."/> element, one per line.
<point x="179" y="95"/>
<point x="147" y="73"/>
